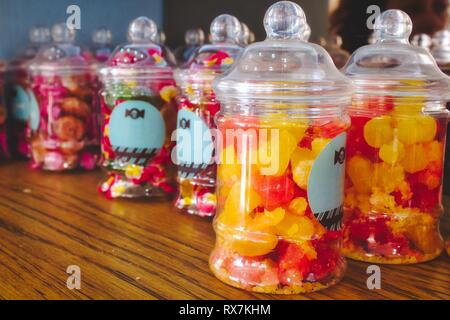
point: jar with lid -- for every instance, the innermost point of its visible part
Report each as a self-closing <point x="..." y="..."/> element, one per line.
<point x="281" y="158"/>
<point x="18" y="91"/>
<point x="63" y="108"/>
<point x="395" y="148"/>
<point x="138" y="116"/>
<point x="197" y="109"/>
<point x="194" y="39"/>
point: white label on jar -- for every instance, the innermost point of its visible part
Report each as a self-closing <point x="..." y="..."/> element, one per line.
<point x="326" y="184"/>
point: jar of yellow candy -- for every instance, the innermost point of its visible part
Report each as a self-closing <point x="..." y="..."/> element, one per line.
<point x="281" y="153"/>
<point x="395" y="149"/>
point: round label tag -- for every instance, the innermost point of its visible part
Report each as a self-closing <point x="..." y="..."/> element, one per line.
<point x="194" y="149"/>
<point x="136" y="131"/>
<point x="326" y="184"/>
<point x="20" y="104"/>
<point x="34" y="115"/>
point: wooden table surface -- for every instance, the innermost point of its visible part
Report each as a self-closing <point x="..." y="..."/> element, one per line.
<point x="142" y="250"/>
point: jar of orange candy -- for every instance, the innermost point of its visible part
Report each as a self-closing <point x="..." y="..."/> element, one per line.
<point x="281" y="153"/>
<point x="197" y="108"/>
<point x="395" y="149"/>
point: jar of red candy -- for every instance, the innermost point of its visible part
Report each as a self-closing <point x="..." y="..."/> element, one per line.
<point x="4" y="150"/>
<point x="18" y="92"/>
<point x="63" y="114"/>
<point x="139" y="115"/>
<point x="395" y="148"/>
<point x="197" y="108"/>
<point x="281" y="153"/>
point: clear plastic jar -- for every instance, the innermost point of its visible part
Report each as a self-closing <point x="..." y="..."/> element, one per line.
<point x="18" y="91"/>
<point x="395" y="149"/>
<point x="334" y="47"/>
<point x="138" y="116"/>
<point x="281" y="165"/>
<point x="197" y="107"/>
<point x="63" y="115"/>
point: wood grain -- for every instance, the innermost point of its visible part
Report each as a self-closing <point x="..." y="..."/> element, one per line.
<point x="141" y="249"/>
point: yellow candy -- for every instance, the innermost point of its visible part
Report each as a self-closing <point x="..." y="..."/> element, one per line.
<point x="434" y="151"/>
<point x="298" y="206"/>
<point x="133" y="171"/>
<point x="274" y="152"/>
<point x="318" y="144"/>
<point x="378" y="131"/>
<point x="228" y="171"/>
<point x="415" y="159"/>
<point x="360" y="172"/>
<point x="266" y="219"/>
<point x="387" y="177"/>
<point x="382" y="202"/>
<point x="295" y="227"/>
<point x="408" y="105"/>
<point x="416" y="129"/>
<point x="255" y="244"/>
<point x="302" y="161"/>
<point x="238" y="204"/>
<point x="392" y="152"/>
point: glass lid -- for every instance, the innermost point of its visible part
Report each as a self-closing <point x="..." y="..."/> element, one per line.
<point x="62" y="54"/>
<point x="441" y="48"/>
<point x="392" y="66"/>
<point x="141" y="57"/>
<point x="212" y="59"/>
<point x="285" y="67"/>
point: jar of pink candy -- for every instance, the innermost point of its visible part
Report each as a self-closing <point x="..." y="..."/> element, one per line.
<point x="197" y="108"/>
<point x="138" y="117"/>
<point x="18" y="92"/>
<point x="63" y="114"/>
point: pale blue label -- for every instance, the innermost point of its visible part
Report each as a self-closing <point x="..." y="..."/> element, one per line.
<point x="34" y="112"/>
<point x="194" y="147"/>
<point x="326" y="184"/>
<point x="20" y="104"/>
<point x="136" y="131"/>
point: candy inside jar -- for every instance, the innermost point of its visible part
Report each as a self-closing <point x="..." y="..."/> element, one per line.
<point x="197" y="109"/>
<point x="63" y="110"/>
<point x="395" y="149"/>
<point x="18" y="92"/>
<point x="138" y="117"/>
<point x="281" y="156"/>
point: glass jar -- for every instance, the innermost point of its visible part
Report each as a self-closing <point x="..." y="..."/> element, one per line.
<point x="63" y="116"/>
<point x="281" y="154"/>
<point x="194" y="39"/>
<point x="4" y="150"/>
<point x="441" y="53"/>
<point x="138" y="116"/>
<point x="334" y="48"/>
<point x="395" y="148"/>
<point x="197" y="108"/>
<point x="18" y="92"/>
<point x="102" y="44"/>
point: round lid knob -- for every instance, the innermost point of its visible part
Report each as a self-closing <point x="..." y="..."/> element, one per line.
<point x="142" y="29"/>
<point x="63" y="34"/>
<point x="285" y="20"/>
<point x="39" y="34"/>
<point x="194" y="37"/>
<point x="160" y="37"/>
<point x="393" y="25"/>
<point x="225" y="28"/>
<point x="102" y="36"/>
